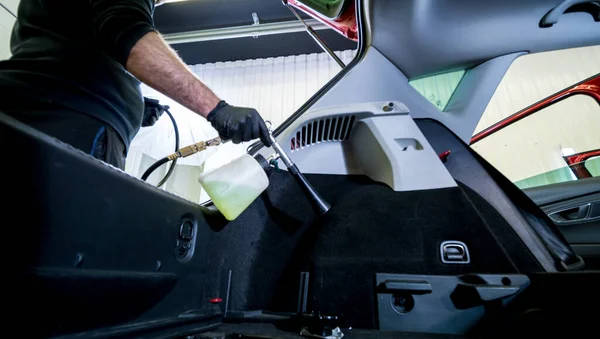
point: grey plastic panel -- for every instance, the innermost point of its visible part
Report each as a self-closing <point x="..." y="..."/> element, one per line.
<point x="427" y="303"/>
<point x="425" y="37"/>
<point x="473" y="94"/>
<point x="392" y="150"/>
<point x="331" y="157"/>
<point x="384" y="144"/>
<point x="377" y="79"/>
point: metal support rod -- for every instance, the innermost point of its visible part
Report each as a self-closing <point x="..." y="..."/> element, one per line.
<point x="8" y="10"/>
<point x="237" y="32"/>
<point x="316" y="37"/>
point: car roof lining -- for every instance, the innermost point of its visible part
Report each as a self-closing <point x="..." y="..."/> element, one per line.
<point x="423" y="37"/>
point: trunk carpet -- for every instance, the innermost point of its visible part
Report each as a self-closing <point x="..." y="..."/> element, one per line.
<point x="370" y="229"/>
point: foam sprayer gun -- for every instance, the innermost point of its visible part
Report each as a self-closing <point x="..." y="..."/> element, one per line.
<point x="319" y="205"/>
<point x="235" y="185"/>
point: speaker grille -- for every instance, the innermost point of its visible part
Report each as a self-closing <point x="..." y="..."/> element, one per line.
<point x="323" y="130"/>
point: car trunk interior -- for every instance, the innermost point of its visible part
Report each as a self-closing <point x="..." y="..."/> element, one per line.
<point x="412" y="247"/>
<point x="80" y="277"/>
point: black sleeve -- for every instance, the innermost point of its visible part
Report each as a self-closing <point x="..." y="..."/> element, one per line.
<point x="119" y="24"/>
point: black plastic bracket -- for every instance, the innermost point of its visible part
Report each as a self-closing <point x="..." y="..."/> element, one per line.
<point x="303" y="292"/>
<point x="576" y="266"/>
<point x="407" y="286"/>
<point x="471" y="295"/>
<point x="441" y="304"/>
<point x="186" y="238"/>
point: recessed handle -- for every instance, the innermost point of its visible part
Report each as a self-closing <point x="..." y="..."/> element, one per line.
<point x="408" y="286"/>
<point x="571" y="215"/>
<point x="551" y="17"/>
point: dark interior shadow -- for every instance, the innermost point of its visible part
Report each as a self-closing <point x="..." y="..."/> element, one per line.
<point x="591" y="8"/>
<point x="285" y="222"/>
<point x="216" y="221"/>
<point x="285" y="296"/>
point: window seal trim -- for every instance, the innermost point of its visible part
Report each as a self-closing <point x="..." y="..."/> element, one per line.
<point x="589" y="87"/>
<point x="576" y="163"/>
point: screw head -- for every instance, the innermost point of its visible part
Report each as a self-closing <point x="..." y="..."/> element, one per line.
<point x="78" y="260"/>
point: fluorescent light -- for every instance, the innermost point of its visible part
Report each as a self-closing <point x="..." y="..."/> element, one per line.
<point x="242" y="31"/>
<point x="160" y="2"/>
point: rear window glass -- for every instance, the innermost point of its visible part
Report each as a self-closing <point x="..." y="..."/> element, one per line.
<point x="438" y="89"/>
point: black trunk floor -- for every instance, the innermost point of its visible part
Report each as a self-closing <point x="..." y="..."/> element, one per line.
<point x="370" y="229"/>
<point x="253" y="330"/>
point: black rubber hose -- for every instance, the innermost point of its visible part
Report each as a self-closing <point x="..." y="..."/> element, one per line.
<point x="154" y="167"/>
<point x="165" y="159"/>
<point x="170" y="171"/>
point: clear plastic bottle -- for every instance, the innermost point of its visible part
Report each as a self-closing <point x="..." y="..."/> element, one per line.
<point x="234" y="186"/>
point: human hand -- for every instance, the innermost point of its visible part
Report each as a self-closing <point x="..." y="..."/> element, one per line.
<point x="238" y="123"/>
<point x="152" y="112"/>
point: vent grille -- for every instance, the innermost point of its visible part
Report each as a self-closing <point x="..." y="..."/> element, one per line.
<point x="322" y="130"/>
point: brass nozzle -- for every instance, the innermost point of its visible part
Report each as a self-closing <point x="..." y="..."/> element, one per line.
<point x="191" y="149"/>
<point x="195" y="148"/>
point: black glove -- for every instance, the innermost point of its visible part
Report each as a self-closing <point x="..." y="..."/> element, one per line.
<point x="152" y="112"/>
<point x="238" y="123"/>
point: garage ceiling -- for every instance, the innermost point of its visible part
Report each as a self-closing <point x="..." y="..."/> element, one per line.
<point x="196" y="15"/>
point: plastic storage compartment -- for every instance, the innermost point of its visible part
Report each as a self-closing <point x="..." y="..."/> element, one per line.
<point x="234" y="186"/>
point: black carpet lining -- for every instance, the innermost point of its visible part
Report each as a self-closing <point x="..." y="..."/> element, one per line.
<point x="370" y="229"/>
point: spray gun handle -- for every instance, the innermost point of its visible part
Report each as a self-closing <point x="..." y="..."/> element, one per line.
<point x="319" y="205"/>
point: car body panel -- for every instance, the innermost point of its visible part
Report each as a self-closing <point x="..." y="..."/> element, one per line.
<point x="345" y="23"/>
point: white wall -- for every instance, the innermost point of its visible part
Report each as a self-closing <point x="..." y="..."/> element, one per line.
<point x="12" y="5"/>
<point x="276" y="87"/>
<point x="535" y="144"/>
<point x="7" y="20"/>
<point x="534" y="77"/>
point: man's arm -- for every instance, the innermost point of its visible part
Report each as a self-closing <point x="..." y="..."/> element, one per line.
<point x="124" y="29"/>
<point x="153" y="62"/>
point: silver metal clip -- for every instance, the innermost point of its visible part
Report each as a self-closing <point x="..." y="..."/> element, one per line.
<point x="269" y="126"/>
<point x="256" y="23"/>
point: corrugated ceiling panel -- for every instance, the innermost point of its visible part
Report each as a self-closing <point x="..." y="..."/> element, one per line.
<point x="276" y="87"/>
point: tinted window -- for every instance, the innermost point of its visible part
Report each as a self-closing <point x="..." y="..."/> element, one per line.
<point x="438" y="89"/>
<point x="533" y="151"/>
